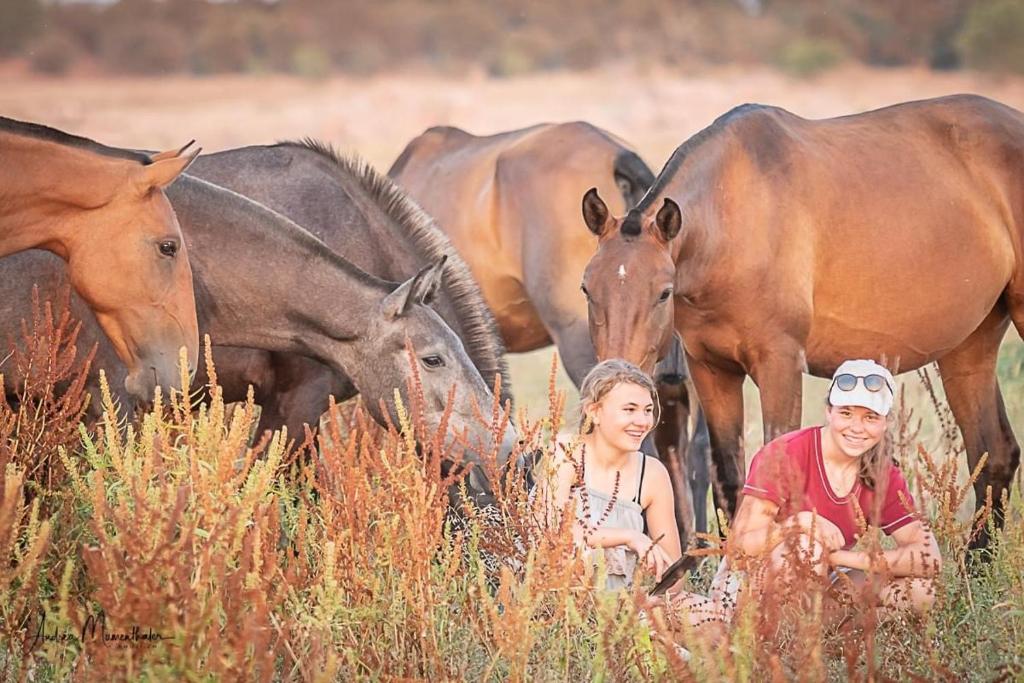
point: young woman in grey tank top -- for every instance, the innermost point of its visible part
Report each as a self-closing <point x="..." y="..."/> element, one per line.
<point x="622" y="499"/>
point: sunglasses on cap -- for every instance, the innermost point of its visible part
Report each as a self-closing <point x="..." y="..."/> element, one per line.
<point x="848" y="382"/>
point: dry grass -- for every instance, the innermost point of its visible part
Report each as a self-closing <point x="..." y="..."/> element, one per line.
<point x="185" y="552"/>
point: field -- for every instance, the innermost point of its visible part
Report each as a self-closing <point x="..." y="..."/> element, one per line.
<point x="654" y="110"/>
<point x="320" y="601"/>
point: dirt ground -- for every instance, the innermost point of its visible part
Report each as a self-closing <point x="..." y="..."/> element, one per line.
<point x="655" y="111"/>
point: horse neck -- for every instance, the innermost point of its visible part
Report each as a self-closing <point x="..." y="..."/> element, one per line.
<point x="698" y="241"/>
<point x="42" y="184"/>
<point x="264" y="282"/>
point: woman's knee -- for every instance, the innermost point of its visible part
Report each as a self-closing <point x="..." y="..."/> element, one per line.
<point x="922" y="595"/>
<point x="916" y="595"/>
<point x="800" y="547"/>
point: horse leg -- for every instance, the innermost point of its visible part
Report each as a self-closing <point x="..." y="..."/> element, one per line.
<point x="969" y="377"/>
<point x="300" y="395"/>
<point x="698" y="463"/>
<point x="671" y="440"/>
<point x="671" y="434"/>
<point x="721" y="396"/>
<point x="779" y="381"/>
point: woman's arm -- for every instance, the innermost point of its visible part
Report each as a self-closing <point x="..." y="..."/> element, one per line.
<point x="916" y="554"/>
<point x="754" y="530"/>
<point x="605" y="537"/>
<point x="660" y="509"/>
<point x="554" y="484"/>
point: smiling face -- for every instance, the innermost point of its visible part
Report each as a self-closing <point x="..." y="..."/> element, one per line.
<point x="623" y="417"/>
<point x="853" y="430"/>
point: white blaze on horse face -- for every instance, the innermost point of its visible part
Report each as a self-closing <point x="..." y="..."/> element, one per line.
<point x="622" y="274"/>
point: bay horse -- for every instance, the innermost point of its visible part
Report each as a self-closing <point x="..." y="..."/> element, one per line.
<point x="509" y="203"/>
<point x="104" y="212"/>
<point x="263" y="282"/>
<point x="778" y="245"/>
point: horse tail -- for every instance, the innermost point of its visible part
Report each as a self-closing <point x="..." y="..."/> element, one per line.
<point x="632" y="176"/>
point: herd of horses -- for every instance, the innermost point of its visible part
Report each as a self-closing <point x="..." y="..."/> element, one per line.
<point x="768" y="246"/>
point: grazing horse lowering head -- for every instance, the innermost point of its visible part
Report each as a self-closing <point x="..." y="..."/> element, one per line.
<point x="103" y="210"/>
<point x="443" y="367"/>
<point x="633" y="274"/>
<point x="136" y="276"/>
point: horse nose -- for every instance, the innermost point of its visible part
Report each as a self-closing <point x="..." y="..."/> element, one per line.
<point x="140" y="384"/>
<point x="649" y="360"/>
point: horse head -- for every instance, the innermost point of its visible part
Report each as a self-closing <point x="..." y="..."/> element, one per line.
<point x="630" y="281"/>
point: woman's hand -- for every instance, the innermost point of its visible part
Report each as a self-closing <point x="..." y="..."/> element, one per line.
<point x="826" y="533"/>
<point x="650" y="553"/>
<point x="849" y="559"/>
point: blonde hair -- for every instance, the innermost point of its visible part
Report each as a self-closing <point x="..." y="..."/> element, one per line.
<point x="604" y="377"/>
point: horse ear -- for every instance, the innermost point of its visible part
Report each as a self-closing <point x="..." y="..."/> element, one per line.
<point x="427" y="282"/>
<point x="595" y="212"/>
<point x="419" y="289"/>
<point x="171" y="153"/>
<point x="397" y="302"/>
<point x="669" y="219"/>
<point x="162" y="172"/>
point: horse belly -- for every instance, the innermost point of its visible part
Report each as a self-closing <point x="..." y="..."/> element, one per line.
<point x="904" y="339"/>
<point x="909" y="295"/>
<point x="521" y="326"/>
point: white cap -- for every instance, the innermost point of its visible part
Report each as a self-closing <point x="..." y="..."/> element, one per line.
<point x="879" y="401"/>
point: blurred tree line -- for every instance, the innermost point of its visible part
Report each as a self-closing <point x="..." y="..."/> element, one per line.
<point x="505" y="37"/>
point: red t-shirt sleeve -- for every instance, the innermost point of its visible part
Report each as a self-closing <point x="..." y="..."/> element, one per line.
<point x="895" y="512"/>
<point x="767" y="476"/>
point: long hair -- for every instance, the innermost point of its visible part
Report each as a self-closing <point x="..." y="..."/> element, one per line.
<point x="604" y="377"/>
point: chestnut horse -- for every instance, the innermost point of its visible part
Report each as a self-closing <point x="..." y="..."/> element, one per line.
<point x="778" y="245"/>
<point x="508" y="202"/>
<point x="103" y="211"/>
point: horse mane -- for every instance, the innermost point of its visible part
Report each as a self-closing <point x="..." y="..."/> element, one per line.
<point x="483" y="339"/>
<point x="683" y="151"/>
<point x="47" y="134"/>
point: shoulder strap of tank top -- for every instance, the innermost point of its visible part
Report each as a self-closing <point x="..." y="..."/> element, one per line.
<point x="640" y="483"/>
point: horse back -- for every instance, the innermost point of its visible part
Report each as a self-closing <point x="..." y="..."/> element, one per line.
<point x="510" y="203"/>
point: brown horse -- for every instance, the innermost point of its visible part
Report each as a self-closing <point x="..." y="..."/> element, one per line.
<point x="780" y="245"/>
<point x="508" y="204"/>
<point x="104" y="212"/>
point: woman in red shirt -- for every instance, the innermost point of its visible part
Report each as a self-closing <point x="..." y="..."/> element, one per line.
<point x="807" y="486"/>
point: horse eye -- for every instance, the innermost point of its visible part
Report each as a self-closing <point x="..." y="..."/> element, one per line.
<point x="169" y="248"/>
<point x="433" y="362"/>
<point x="583" y="288"/>
<point x="665" y="295"/>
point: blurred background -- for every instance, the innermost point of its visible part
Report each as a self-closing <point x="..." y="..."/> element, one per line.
<point x="369" y="76"/>
<point x="504" y="37"/>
